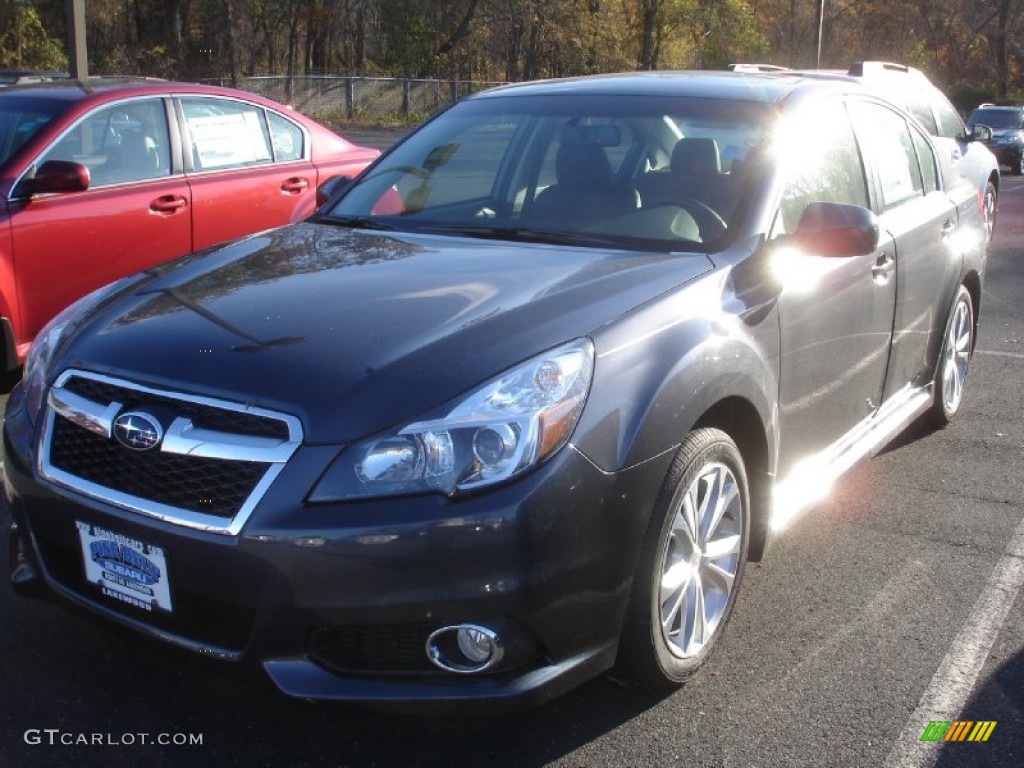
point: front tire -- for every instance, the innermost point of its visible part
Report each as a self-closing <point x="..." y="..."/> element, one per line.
<point x="954" y="360"/>
<point x="691" y="563"/>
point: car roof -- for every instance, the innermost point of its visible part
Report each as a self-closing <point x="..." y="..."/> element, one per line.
<point x="101" y="89"/>
<point x="764" y="87"/>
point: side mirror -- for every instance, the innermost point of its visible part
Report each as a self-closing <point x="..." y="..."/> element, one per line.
<point x="836" y="229"/>
<point x="329" y="186"/>
<point x="57" y="176"/>
<point x="981" y="133"/>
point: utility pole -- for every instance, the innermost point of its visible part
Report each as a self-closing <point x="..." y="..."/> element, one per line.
<point x="821" y="24"/>
<point x="78" y="59"/>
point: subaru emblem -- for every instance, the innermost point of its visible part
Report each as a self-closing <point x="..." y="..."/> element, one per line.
<point x="138" y="431"/>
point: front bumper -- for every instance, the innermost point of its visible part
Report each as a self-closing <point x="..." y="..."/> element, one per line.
<point x="1007" y="154"/>
<point x="335" y="601"/>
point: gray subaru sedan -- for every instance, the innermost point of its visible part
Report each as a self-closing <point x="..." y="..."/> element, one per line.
<point x="518" y="404"/>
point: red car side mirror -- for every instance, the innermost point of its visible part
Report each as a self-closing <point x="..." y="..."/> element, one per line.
<point x="58" y="176"/>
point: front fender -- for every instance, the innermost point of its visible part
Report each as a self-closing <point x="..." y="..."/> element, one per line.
<point x="9" y="316"/>
<point x="651" y="387"/>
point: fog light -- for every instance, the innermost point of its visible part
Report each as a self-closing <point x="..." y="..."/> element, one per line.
<point x="464" y="649"/>
<point x="474" y="644"/>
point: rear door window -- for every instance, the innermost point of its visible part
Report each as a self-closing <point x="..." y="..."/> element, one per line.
<point x="226" y="134"/>
<point x="950" y="124"/>
<point x="886" y="140"/>
<point x="920" y="107"/>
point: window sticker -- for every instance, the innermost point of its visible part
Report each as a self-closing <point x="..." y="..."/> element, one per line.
<point x="229" y="140"/>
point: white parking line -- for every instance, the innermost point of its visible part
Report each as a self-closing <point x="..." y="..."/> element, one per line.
<point x="1017" y="355"/>
<point x="955" y="678"/>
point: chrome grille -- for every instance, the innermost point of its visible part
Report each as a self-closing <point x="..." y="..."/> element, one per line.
<point x="214" y="463"/>
<point x="201" y="415"/>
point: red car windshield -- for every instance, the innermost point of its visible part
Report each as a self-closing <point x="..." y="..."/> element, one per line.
<point x="21" y="118"/>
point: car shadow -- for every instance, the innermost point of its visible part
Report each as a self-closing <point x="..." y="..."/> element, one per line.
<point x="1001" y="699"/>
<point x="8" y="380"/>
<point x="919" y="429"/>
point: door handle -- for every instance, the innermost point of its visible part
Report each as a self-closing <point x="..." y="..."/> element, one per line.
<point x="883" y="268"/>
<point x="948" y="228"/>
<point x="168" y="204"/>
<point x="295" y="185"/>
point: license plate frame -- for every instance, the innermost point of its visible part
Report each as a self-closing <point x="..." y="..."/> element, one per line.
<point x="126" y="570"/>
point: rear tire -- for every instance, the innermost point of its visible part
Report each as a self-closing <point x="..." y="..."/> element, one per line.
<point x="989" y="204"/>
<point x="690" y="565"/>
<point x="954" y="360"/>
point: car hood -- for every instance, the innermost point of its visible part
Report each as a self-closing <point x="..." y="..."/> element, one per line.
<point x="355" y="331"/>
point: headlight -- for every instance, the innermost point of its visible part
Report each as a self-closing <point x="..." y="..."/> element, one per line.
<point x="48" y="341"/>
<point x="498" y="431"/>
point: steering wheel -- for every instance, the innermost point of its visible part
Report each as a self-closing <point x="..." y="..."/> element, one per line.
<point x="412" y="170"/>
<point x="712" y="226"/>
<point x="419" y="173"/>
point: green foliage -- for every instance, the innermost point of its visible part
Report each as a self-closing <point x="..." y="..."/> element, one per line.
<point x="24" y="43"/>
<point x="966" y="96"/>
<point x="954" y="41"/>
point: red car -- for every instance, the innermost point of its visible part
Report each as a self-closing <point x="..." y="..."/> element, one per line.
<point x="102" y="178"/>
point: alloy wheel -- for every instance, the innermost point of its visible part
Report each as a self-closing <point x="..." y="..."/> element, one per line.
<point x="701" y="560"/>
<point x="989" y="212"/>
<point x="956" y="354"/>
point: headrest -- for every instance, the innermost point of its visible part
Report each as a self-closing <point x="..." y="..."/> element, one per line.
<point x="602" y="135"/>
<point x="582" y="166"/>
<point x="696" y="156"/>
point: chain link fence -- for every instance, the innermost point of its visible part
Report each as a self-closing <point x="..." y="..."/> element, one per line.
<point x="363" y="96"/>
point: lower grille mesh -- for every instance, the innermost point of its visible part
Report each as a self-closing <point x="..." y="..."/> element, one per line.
<point x="373" y="648"/>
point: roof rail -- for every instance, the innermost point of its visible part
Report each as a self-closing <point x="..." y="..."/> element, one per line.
<point x="20" y="76"/>
<point x="862" y="68"/>
<point x="758" y="68"/>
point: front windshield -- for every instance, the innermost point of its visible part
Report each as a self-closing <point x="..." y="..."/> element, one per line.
<point x="20" y="119"/>
<point x="610" y="171"/>
<point x="999" y="119"/>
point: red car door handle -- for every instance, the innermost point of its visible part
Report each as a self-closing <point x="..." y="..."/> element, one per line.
<point x="294" y="185"/>
<point x="168" y="204"/>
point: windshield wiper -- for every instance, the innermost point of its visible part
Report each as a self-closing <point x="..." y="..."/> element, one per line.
<point x="356" y="222"/>
<point x="527" y="235"/>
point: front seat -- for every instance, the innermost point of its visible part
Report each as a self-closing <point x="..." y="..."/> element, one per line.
<point x="585" y="191"/>
<point x="135" y="158"/>
<point x="696" y="183"/>
<point x="694" y="173"/>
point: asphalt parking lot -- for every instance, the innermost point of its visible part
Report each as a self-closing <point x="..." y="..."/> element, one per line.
<point x="893" y="603"/>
